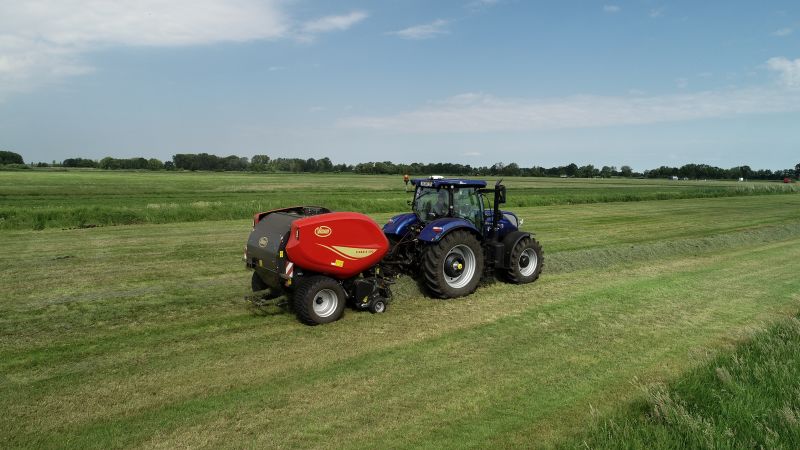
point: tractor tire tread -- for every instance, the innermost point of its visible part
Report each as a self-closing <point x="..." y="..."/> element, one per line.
<point x="432" y="260"/>
<point x="513" y="275"/>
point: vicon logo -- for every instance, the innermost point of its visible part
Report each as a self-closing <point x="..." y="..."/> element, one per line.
<point x="323" y="231"/>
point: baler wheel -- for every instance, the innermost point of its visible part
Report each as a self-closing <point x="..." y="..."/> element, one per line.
<point x="526" y="261"/>
<point x="319" y="299"/>
<point x="378" y="307"/>
<point x="453" y="266"/>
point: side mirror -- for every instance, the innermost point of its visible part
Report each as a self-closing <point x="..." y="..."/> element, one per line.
<point x="501" y="194"/>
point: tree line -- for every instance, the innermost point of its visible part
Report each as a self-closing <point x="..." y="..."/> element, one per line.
<point x="264" y="163"/>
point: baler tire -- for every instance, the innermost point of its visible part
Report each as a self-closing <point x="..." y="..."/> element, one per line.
<point x="433" y="261"/>
<point x="532" y="251"/>
<point x="257" y="284"/>
<point x="317" y="290"/>
<point x="378" y="307"/>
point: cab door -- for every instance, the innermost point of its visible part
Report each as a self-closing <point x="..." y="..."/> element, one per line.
<point x="468" y="205"/>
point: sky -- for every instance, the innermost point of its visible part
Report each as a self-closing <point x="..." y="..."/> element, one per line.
<point x="643" y="83"/>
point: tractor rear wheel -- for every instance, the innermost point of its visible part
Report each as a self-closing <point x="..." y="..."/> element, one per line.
<point x="526" y="261"/>
<point x="319" y="299"/>
<point x="453" y="266"/>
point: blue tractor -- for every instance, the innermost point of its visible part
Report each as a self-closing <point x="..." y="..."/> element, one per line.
<point x="452" y="238"/>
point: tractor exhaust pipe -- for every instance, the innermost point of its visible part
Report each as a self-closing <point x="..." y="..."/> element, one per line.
<point x="499" y="198"/>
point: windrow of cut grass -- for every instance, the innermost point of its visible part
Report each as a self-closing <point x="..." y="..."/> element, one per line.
<point x="74" y="199"/>
<point x="745" y="398"/>
<point x="568" y="261"/>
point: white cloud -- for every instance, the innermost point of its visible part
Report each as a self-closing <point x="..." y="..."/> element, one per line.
<point x="45" y="40"/>
<point x="682" y="83"/>
<point x="80" y="23"/>
<point x="334" y="23"/>
<point x="470" y="113"/>
<point x="424" y="31"/>
<point x="788" y="69"/>
<point x="782" y="32"/>
<point x="472" y="154"/>
<point x="611" y="8"/>
<point x="656" y="12"/>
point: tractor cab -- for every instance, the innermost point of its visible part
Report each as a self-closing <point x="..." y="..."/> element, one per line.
<point x="454" y="198"/>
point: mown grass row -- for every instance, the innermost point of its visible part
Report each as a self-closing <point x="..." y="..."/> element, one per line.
<point x="745" y="398"/>
<point x="511" y="366"/>
<point x="674" y="248"/>
<point x="79" y="199"/>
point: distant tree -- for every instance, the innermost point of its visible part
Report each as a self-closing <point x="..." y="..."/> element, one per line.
<point x="232" y="163"/>
<point x="586" y="171"/>
<point x="325" y="165"/>
<point x="106" y="163"/>
<point x="797" y="170"/>
<point x="497" y="168"/>
<point x="259" y="163"/>
<point x="154" y="164"/>
<point x="511" y="170"/>
<point x="79" y="162"/>
<point x="10" y="158"/>
<point x="606" y="172"/>
<point x="745" y="171"/>
<point x="169" y="165"/>
<point x="571" y="170"/>
<point x="310" y="165"/>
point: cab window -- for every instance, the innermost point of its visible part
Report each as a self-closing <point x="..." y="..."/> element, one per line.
<point x="467" y="205"/>
<point x="431" y="203"/>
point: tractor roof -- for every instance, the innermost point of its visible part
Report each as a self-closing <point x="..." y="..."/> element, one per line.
<point x="444" y="182"/>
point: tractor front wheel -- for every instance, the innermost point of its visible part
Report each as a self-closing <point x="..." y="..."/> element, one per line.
<point x="453" y="266"/>
<point x="319" y="299"/>
<point x="526" y="261"/>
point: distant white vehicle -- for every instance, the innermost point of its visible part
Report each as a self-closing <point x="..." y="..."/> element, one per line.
<point x="741" y="179"/>
<point x="674" y="177"/>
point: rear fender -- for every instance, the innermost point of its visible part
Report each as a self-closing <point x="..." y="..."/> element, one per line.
<point x="398" y="225"/>
<point x="509" y="242"/>
<point x="439" y="228"/>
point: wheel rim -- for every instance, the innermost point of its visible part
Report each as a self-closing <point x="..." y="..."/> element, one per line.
<point x="325" y="302"/>
<point x="379" y="307"/>
<point x="458" y="277"/>
<point x="528" y="261"/>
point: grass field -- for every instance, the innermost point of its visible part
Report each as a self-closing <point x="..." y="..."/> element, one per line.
<point x="70" y="199"/>
<point x="136" y="335"/>
<point x="749" y="398"/>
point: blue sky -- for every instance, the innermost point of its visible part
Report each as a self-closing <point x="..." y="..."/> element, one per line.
<point x="644" y="83"/>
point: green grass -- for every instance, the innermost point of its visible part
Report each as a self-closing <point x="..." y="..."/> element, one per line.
<point x="40" y="199"/>
<point x="136" y="335"/>
<point x="747" y="398"/>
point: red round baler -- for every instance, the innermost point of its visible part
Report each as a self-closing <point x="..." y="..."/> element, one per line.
<point x="338" y="244"/>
